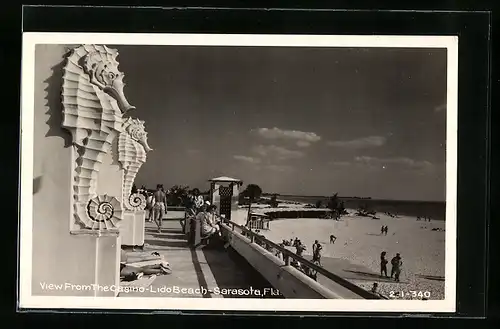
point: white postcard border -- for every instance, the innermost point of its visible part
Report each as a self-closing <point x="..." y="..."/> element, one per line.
<point x="26" y="300"/>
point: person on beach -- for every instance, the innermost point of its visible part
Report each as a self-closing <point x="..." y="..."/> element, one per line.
<point x="374" y="288"/>
<point x="299" y="248"/>
<point x="383" y="264"/>
<point x="386" y="229"/>
<point x="332" y="238"/>
<point x="396" y="267"/>
<point x="382" y="230"/>
<point x="316" y="248"/>
<point x="159" y="206"/>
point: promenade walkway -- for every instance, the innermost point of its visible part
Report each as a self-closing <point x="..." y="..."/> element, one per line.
<point x="212" y="268"/>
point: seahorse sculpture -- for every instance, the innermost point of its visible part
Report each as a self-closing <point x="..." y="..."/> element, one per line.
<point x="132" y="149"/>
<point x="93" y="100"/>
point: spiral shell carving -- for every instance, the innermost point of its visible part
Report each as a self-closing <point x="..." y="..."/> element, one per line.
<point x="104" y="211"/>
<point x="137" y="201"/>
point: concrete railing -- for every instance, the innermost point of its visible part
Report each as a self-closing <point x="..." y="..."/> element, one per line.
<point x="260" y="253"/>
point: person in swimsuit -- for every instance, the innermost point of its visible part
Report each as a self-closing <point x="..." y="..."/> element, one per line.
<point x="159" y="206"/>
<point x="317" y="252"/>
<point x="383" y="264"/>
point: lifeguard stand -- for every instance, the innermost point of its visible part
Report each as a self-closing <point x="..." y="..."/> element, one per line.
<point x="224" y="193"/>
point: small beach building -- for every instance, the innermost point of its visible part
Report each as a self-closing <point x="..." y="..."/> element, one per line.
<point x="259" y="221"/>
<point x="224" y="193"/>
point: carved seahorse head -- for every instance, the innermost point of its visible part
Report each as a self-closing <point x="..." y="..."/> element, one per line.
<point x="102" y="68"/>
<point x="92" y="93"/>
<point x="135" y="128"/>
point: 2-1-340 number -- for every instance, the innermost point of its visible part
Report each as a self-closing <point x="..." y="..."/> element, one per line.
<point x="410" y="294"/>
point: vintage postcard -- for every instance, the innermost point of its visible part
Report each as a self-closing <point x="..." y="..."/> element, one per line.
<point x="238" y="172"/>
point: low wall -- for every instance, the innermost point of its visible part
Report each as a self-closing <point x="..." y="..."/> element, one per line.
<point x="289" y="281"/>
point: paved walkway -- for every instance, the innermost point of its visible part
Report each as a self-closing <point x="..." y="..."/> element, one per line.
<point x="195" y="272"/>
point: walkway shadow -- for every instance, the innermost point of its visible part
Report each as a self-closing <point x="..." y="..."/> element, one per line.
<point x="167" y="236"/>
<point x="164" y="230"/>
<point x="374" y="234"/>
<point x="232" y="271"/>
<point x="163" y="243"/>
<point x="199" y="272"/>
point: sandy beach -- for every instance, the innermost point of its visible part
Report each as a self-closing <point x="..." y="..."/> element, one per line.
<point x="360" y="242"/>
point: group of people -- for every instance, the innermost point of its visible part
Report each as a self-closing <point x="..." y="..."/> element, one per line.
<point x="203" y="211"/>
<point x="396" y="264"/>
<point x="384" y="229"/>
<point x="299" y="251"/>
<point x="424" y="218"/>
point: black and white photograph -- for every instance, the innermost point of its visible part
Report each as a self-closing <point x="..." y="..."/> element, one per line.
<point x="268" y="172"/>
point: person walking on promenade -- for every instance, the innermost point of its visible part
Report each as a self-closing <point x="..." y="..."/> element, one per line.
<point x="159" y="206"/>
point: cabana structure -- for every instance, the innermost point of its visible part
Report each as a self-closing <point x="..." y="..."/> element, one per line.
<point x="224" y="193"/>
<point x="259" y="221"/>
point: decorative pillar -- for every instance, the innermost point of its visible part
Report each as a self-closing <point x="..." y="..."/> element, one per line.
<point x="94" y="105"/>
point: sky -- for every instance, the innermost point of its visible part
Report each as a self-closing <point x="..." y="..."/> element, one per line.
<point x="366" y="122"/>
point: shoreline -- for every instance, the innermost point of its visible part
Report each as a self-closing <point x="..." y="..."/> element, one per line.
<point x="379" y="209"/>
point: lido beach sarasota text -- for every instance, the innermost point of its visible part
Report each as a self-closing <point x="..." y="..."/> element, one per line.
<point x="170" y="290"/>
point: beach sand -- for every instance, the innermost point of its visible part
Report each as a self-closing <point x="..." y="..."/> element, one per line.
<point x="359" y="241"/>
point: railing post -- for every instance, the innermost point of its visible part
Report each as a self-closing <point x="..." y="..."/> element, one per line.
<point x="252" y="238"/>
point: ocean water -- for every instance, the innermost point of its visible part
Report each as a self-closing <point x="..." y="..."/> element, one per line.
<point x="433" y="209"/>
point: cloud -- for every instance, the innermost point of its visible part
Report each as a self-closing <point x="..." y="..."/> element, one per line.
<point x="398" y="161"/>
<point x="277" y="152"/>
<point x="307" y="138"/>
<point x="370" y="141"/>
<point x="440" y="108"/>
<point x="246" y="159"/>
<point x="280" y="168"/>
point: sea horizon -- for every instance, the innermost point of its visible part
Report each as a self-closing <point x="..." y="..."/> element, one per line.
<point x="350" y="197"/>
<point x="434" y="209"/>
